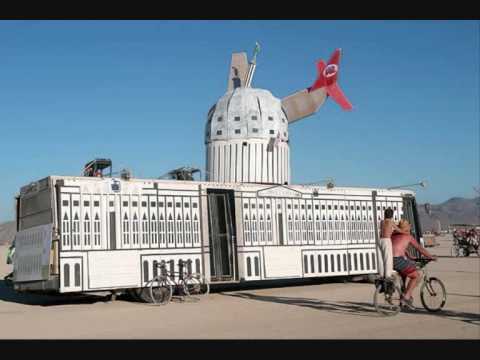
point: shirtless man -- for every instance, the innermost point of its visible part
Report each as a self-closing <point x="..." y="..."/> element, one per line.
<point x="401" y="262"/>
<point x="387" y="227"/>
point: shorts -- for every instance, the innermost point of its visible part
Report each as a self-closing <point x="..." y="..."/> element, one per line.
<point x="403" y="265"/>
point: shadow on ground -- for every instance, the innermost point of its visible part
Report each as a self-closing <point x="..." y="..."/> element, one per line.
<point x="9" y="295"/>
<point x="344" y="307"/>
<point x="353" y="308"/>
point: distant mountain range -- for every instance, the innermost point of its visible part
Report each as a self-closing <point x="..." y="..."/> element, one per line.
<point x="7" y="232"/>
<point x="453" y="211"/>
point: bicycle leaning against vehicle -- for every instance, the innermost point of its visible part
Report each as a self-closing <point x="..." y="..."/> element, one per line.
<point x="184" y="282"/>
<point x="388" y="292"/>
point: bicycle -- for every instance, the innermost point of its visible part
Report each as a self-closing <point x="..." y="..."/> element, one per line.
<point x="433" y="295"/>
<point x="186" y="282"/>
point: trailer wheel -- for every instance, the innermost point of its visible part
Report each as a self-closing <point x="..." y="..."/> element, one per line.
<point x="142" y="294"/>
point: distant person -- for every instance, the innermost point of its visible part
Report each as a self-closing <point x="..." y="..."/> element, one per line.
<point x="403" y="264"/>
<point x="387" y="227"/>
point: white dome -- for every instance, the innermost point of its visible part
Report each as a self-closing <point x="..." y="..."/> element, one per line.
<point x="245" y="113"/>
<point x="247" y="138"/>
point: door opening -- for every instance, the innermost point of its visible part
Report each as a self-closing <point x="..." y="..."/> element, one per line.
<point x="222" y="234"/>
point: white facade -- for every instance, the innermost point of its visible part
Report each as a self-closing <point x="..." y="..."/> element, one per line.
<point x="106" y="239"/>
<point x="238" y="131"/>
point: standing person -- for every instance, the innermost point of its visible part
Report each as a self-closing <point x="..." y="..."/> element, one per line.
<point x="402" y="262"/>
<point x="387" y="227"/>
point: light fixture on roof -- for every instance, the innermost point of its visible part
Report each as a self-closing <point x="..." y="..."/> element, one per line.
<point x="421" y="184"/>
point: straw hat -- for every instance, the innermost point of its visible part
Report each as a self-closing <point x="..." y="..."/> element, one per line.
<point x="404" y="224"/>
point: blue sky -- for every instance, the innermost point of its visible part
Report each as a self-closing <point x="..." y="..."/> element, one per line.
<point x="139" y="91"/>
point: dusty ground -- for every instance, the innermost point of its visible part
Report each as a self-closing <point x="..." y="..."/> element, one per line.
<point x="321" y="311"/>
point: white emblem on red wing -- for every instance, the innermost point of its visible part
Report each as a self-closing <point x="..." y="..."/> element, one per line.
<point x="330" y="70"/>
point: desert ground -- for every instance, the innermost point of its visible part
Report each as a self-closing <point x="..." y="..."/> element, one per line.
<point x="331" y="310"/>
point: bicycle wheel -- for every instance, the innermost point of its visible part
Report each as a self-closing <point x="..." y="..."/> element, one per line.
<point x="160" y="291"/>
<point x="454" y="251"/>
<point x="433" y="294"/>
<point x="196" y="284"/>
<point x="387" y="303"/>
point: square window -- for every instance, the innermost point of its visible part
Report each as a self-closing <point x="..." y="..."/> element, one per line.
<point x="169" y="204"/>
<point x="144" y="204"/>
<point x="186" y="205"/>
<point x="153" y="204"/>
<point x="237" y="118"/>
<point x="237" y="131"/>
<point x="296" y="206"/>
<point x="86" y="203"/>
<point x="335" y="207"/>
<point x="260" y="206"/>
<point x="160" y="204"/>
<point x="111" y="204"/>
<point x="270" y="118"/>
<point x="272" y="131"/>
<point x="65" y="203"/>
<point x="219" y="132"/>
<point x="255" y="130"/>
<point x="96" y="203"/>
<point x="219" y="118"/>
<point x="268" y="206"/>
<point x="254" y="118"/>
<point x="253" y="206"/>
<point x="309" y="206"/>
<point x="289" y="206"/>
<point x="125" y="203"/>
<point x="285" y="134"/>
<point x="194" y="205"/>
<point x="323" y="207"/>
<point x="134" y="203"/>
<point x="303" y="206"/>
<point x="329" y="207"/>
<point x="316" y="207"/>
<point x="245" y="206"/>
<point x="178" y="204"/>
<point x="279" y="206"/>
<point x="76" y="203"/>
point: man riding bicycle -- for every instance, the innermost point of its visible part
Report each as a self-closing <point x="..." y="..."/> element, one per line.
<point x="402" y="261"/>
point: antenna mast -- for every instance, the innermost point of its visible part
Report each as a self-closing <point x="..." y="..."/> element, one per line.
<point x="252" y="65"/>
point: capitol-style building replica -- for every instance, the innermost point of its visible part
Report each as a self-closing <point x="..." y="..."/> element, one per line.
<point x="245" y="222"/>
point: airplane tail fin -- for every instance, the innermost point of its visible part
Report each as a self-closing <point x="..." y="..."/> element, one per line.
<point x="327" y="78"/>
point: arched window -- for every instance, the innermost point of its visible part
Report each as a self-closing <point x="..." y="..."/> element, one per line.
<point x="77" y="275"/>
<point x="66" y="275"/>
<point x="145" y="271"/>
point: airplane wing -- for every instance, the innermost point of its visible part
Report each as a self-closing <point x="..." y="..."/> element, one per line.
<point x="238" y="71"/>
<point x="303" y="103"/>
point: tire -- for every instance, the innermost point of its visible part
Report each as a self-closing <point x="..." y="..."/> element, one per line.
<point x="433" y="294"/>
<point x="160" y="292"/>
<point x="387" y="305"/>
<point x="196" y="284"/>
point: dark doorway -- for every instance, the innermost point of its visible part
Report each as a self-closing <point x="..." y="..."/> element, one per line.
<point x="113" y="233"/>
<point x="221" y="217"/>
